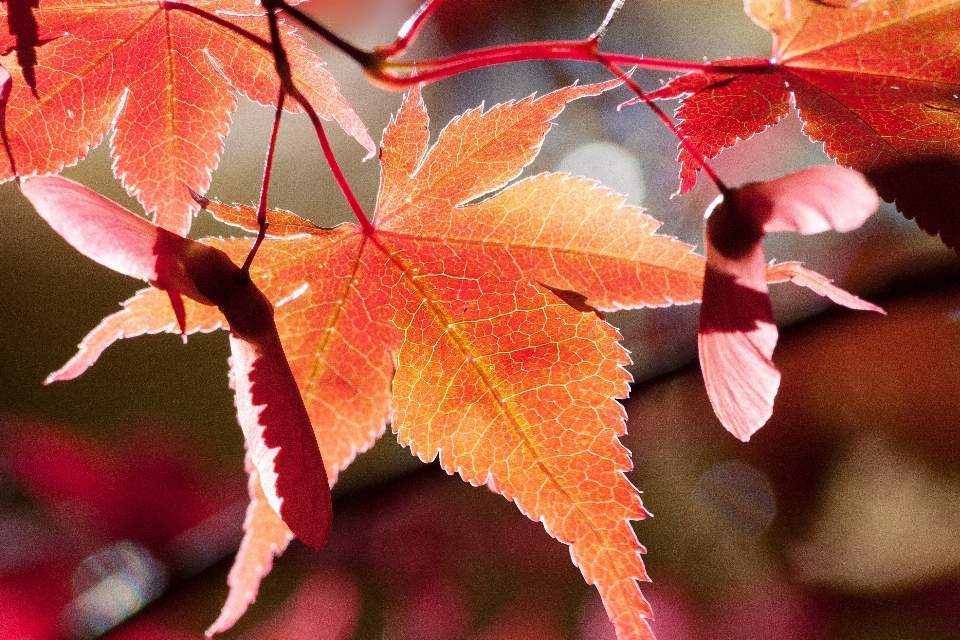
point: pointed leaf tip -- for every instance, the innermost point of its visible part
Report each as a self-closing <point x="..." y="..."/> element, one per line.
<point x="265" y="536"/>
<point x="199" y="199"/>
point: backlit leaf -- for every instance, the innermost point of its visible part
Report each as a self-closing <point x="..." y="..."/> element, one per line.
<point x="442" y="319"/>
<point x="264" y="536"/>
<point x="878" y="83"/>
<point x="161" y="78"/>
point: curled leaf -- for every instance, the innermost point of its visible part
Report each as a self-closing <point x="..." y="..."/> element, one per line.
<point x="269" y="407"/>
<point x="737" y="334"/>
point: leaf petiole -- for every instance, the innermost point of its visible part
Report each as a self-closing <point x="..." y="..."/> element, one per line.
<point x="363" y="58"/>
<point x="288" y="86"/>
<point x="409" y="31"/>
<point x="244" y="273"/>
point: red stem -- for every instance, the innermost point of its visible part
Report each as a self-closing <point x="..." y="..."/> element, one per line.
<point x="331" y="159"/>
<point x="385" y="72"/>
<point x="409" y="31"/>
<point x="226" y="24"/>
<point x="265" y="188"/>
<point x="288" y="86"/>
<point x="382" y="70"/>
<point x="684" y="142"/>
<point x="364" y="58"/>
<point x="388" y="73"/>
<point x="268" y="166"/>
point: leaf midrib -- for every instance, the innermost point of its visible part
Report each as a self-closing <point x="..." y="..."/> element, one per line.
<point x="589" y="255"/>
<point x="447" y="328"/>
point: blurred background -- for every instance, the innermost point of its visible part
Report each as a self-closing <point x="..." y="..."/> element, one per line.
<point x="122" y="493"/>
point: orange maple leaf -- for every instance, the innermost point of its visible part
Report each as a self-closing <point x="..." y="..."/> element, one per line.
<point x="877" y="82"/>
<point x="160" y="76"/>
<point x="265" y="536"/>
<point x="449" y="318"/>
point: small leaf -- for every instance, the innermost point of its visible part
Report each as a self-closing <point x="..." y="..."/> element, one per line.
<point x="721" y="108"/>
<point x="793" y="272"/>
<point x="876" y="82"/>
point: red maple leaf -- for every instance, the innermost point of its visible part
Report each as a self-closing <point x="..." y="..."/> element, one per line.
<point x="877" y="82"/>
<point x="160" y="75"/>
<point x="451" y="319"/>
<point x="265" y="536"/>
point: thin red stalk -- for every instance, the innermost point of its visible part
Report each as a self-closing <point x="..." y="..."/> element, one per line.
<point x="265" y="187"/>
<point x="286" y="82"/>
<point x="435" y="69"/>
<point x="684" y="142"/>
<point x="409" y="31"/>
<point x="268" y="165"/>
<point x="331" y="159"/>
<point x="363" y="58"/>
<point x="386" y="72"/>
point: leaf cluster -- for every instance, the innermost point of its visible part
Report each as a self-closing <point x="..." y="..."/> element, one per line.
<point x="466" y="311"/>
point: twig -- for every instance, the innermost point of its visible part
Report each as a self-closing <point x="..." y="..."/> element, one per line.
<point x="286" y="82"/>
<point x="684" y="141"/>
<point x="409" y="31"/>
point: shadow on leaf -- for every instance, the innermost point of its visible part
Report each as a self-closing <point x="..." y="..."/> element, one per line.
<point x="927" y="191"/>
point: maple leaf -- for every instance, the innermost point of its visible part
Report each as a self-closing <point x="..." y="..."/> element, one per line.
<point x="451" y="319"/>
<point x="265" y="536"/>
<point x="737" y="334"/>
<point x="877" y="82"/>
<point x="160" y="75"/>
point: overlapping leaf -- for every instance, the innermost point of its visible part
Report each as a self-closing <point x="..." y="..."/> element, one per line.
<point x="449" y="318"/>
<point x="161" y="75"/>
<point x="270" y="410"/>
<point x="878" y="83"/>
<point x="265" y="536"/>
